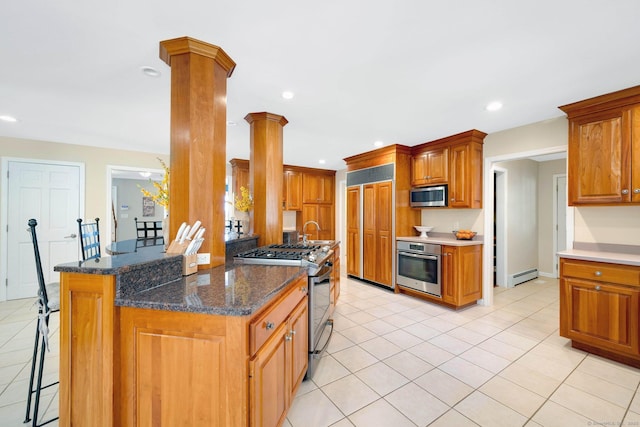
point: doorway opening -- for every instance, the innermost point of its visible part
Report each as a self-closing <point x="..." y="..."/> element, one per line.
<point x="491" y="182"/>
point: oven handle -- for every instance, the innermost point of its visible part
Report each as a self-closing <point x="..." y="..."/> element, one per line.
<point x="317" y="353"/>
<point x="433" y="257"/>
<point x="324" y="276"/>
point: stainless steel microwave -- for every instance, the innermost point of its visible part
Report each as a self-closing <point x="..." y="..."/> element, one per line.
<point x="424" y="197"/>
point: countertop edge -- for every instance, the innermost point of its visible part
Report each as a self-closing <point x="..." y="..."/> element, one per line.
<point x="443" y="240"/>
<point x="600" y="256"/>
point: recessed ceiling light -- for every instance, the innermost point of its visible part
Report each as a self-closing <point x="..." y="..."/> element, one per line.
<point x="494" y="106"/>
<point x="9" y="119"/>
<point x="231" y="123"/>
<point x="150" y="71"/>
<point x="287" y="94"/>
<point x="322" y="161"/>
<point x="145" y="174"/>
<point x="378" y="143"/>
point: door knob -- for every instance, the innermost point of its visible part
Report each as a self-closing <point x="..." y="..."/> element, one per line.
<point x="71" y="236"/>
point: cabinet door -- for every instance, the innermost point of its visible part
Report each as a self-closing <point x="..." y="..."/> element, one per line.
<point x="324" y="216"/>
<point x="384" y="235"/>
<point x="240" y="177"/>
<point x="317" y="188"/>
<point x="461" y="274"/>
<point x="600" y="314"/>
<point x="336" y="274"/>
<point x="270" y="379"/>
<point x="465" y="179"/>
<point x="299" y="328"/>
<point x="353" y="231"/>
<point x="431" y="167"/>
<point x="635" y="154"/>
<point x="292" y="191"/>
<point x="369" y="252"/>
<point x="599" y="158"/>
<point x="448" y="274"/>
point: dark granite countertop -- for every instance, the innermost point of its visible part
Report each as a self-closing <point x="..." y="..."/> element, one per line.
<point x="152" y="279"/>
<point x="231" y="290"/>
<point x="118" y="264"/>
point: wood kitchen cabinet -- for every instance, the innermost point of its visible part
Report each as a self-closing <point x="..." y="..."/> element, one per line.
<point x="324" y="215"/>
<point x="279" y="365"/>
<point x="336" y="274"/>
<point x="353" y="231"/>
<point x="430" y="167"/>
<point x="377" y="232"/>
<point x="604" y="149"/>
<point x="455" y="160"/>
<point x="292" y="190"/>
<point x="239" y="175"/>
<point x="465" y="180"/>
<point x="318" y="187"/>
<point x="378" y="209"/>
<point x="599" y="304"/>
<point x="461" y="274"/>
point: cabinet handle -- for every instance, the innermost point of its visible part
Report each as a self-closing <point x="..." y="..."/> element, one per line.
<point x="598" y="273"/>
<point x="292" y="332"/>
<point x="636" y="191"/>
<point x="269" y="326"/>
<point x="597" y="287"/>
<point x="287" y="337"/>
<point x="303" y="289"/>
<point x="625" y="191"/>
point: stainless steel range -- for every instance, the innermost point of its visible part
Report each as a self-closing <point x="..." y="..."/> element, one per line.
<point x="320" y="274"/>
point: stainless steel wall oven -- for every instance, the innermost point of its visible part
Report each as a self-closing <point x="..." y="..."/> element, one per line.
<point x="419" y="267"/>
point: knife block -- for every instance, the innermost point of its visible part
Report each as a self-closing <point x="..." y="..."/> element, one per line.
<point x="189" y="264"/>
<point x="178" y="248"/>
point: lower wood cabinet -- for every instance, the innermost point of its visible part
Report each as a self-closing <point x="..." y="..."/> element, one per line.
<point x="461" y="274"/>
<point x="277" y="369"/>
<point x="599" y="304"/>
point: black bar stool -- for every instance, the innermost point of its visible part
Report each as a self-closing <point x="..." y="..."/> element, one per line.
<point x="48" y="302"/>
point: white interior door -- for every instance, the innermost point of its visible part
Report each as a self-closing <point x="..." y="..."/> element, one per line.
<point x="50" y="193"/>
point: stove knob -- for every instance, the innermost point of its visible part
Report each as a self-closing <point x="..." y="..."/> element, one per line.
<point x="312" y="257"/>
<point x="325" y="248"/>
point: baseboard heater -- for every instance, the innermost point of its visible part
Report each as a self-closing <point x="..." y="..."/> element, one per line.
<point x="523" y="276"/>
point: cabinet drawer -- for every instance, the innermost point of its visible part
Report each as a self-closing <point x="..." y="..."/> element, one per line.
<point x="601" y="272"/>
<point x="264" y="326"/>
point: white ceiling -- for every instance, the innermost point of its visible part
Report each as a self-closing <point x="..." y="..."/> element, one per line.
<point x="406" y="71"/>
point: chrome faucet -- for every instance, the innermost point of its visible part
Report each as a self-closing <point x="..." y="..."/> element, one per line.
<point x="304" y="229"/>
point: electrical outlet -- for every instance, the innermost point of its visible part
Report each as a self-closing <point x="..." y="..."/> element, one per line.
<point x="204" y="259"/>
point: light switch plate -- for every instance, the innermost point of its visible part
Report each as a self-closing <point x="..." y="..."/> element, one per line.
<point x="204" y="259"/>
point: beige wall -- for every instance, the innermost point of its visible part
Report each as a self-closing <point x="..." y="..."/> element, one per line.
<point x="546" y="194"/>
<point x="95" y="161"/>
<point x="608" y="224"/>
<point x="535" y="136"/>
<point x="521" y="202"/>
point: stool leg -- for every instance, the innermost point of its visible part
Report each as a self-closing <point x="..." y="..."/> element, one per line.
<point x="27" y="417"/>
<point x="36" y="404"/>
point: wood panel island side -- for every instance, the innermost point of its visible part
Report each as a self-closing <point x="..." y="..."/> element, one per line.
<point x="141" y="345"/>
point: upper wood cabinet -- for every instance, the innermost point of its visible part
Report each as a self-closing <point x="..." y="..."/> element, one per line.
<point x="239" y="174"/>
<point x="456" y="161"/>
<point x="465" y="180"/>
<point x="604" y="149"/>
<point x="324" y="215"/>
<point x="430" y="167"/>
<point x="292" y="191"/>
<point x="318" y="187"/>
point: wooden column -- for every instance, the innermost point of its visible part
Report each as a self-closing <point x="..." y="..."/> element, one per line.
<point x="199" y="73"/>
<point x="265" y="176"/>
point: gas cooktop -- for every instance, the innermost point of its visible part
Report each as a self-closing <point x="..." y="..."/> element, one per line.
<point x="287" y="254"/>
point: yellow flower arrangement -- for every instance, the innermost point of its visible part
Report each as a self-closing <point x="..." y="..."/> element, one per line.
<point x="244" y="202"/>
<point x="162" y="197"/>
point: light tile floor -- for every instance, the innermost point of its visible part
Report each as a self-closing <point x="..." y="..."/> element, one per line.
<point x="398" y="361"/>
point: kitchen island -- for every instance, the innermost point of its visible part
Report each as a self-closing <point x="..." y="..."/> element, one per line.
<point x="142" y="345"/>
